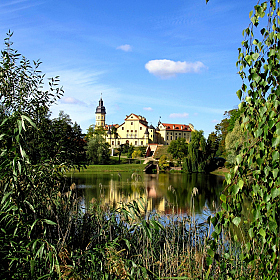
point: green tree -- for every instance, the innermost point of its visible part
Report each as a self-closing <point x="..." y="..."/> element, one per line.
<point x="178" y="149"/>
<point x="114" y="131"/>
<point x="255" y="176"/>
<point x="196" y="159"/>
<point x="98" y="150"/>
<point x="136" y="154"/>
<point x="224" y="127"/>
<point x="212" y="145"/>
<point x="234" y="142"/>
<point x="130" y="150"/>
<point x="27" y="189"/>
<point x="163" y="163"/>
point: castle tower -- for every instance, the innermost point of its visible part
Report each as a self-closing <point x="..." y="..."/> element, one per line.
<point x="100" y="114"/>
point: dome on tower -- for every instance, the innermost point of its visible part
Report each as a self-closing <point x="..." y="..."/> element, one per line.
<point x="100" y="108"/>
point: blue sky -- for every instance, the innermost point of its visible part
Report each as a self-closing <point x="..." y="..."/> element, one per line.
<point x="157" y="58"/>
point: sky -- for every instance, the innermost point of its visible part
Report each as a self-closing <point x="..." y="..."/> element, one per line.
<point x="173" y="61"/>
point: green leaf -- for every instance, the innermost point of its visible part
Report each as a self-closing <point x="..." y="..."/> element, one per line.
<point x="239" y="94"/>
<point x="262" y="232"/>
<point x="251" y="232"/>
<point x="223" y="198"/>
<point x="211" y="253"/>
<point x="275" y="155"/>
<point x="239" y="159"/>
<point x="275" y="192"/>
<point x="49" y="222"/>
<point x="255" y="77"/>
<point x="275" y="141"/>
<point x="255" y="56"/>
<point x="275" y="172"/>
<point x="236" y="221"/>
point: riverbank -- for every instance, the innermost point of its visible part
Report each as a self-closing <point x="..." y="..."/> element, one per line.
<point x="222" y="171"/>
<point x="134" y="168"/>
<point x="114" y="168"/>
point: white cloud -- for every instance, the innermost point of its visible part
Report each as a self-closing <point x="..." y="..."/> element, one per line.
<point x="165" y="68"/>
<point x="71" y="100"/>
<point x="214" y="121"/>
<point x="179" y="115"/>
<point x="125" y="48"/>
<point x="148" y="109"/>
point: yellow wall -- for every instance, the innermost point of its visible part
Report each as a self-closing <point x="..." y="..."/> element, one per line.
<point x="99" y="119"/>
<point x="132" y="131"/>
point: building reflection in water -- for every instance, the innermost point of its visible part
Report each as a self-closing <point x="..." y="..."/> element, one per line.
<point x="164" y="193"/>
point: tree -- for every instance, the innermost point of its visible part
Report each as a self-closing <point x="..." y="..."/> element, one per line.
<point x="114" y="131"/>
<point x="196" y="159"/>
<point x="163" y="164"/>
<point x="212" y="145"/>
<point x="234" y="142"/>
<point x="224" y="127"/>
<point x="28" y="189"/>
<point x="178" y="149"/>
<point x="130" y="150"/>
<point x="136" y="154"/>
<point x="255" y="176"/>
<point x="98" y="150"/>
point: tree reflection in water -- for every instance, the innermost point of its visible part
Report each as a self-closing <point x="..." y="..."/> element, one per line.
<point x="165" y="193"/>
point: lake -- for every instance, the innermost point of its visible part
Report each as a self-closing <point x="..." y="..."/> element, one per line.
<point x="164" y="193"/>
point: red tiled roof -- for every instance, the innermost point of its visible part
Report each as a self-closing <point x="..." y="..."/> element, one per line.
<point x="179" y="127"/>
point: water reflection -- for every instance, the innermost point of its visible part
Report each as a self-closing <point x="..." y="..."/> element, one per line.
<point x="164" y="192"/>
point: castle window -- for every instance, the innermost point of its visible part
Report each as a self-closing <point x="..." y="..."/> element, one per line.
<point x="171" y="137"/>
<point x="166" y="137"/>
<point x="135" y="143"/>
<point x="131" y="123"/>
<point x="113" y="143"/>
<point x="135" y="130"/>
<point x="127" y="131"/>
<point x="98" y="117"/>
<point x="119" y="142"/>
<point x="142" y="143"/>
<point x="101" y="117"/>
<point x="122" y="128"/>
<point x="140" y="127"/>
<point x="131" y="130"/>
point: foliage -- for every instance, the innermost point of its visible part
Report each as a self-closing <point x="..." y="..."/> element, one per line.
<point x="224" y="127"/>
<point x="163" y="164"/>
<point x="27" y="189"/>
<point x="255" y="176"/>
<point x="99" y="131"/>
<point x="57" y="139"/>
<point x="114" y="131"/>
<point x="90" y="131"/>
<point x="196" y="159"/>
<point x="212" y="145"/>
<point x="178" y="149"/>
<point x="233" y="143"/>
<point x="130" y="150"/>
<point x="98" y="150"/>
<point x="136" y="153"/>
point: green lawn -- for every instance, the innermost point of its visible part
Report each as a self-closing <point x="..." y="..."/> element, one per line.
<point x="114" y="168"/>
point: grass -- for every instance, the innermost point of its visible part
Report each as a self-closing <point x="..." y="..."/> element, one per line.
<point x="114" y="168"/>
<point x="221" y="171"/>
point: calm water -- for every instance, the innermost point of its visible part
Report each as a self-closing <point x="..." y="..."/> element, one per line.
<point x="164" y="192"/>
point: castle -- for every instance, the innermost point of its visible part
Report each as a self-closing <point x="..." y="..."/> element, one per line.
<point x="136" y="131"/>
